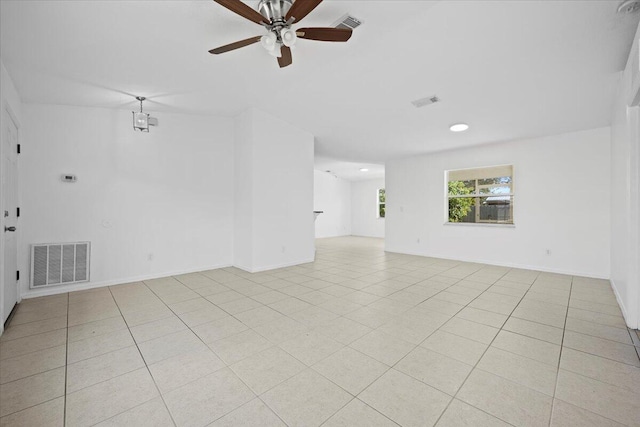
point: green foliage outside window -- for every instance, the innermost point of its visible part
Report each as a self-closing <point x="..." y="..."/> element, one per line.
<point x="459" y="207"/>
<point x="381" y="202"/>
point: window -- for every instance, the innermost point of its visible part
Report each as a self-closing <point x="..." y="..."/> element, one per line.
<point x="381" y="202"/>
<point x="483" y="195"/>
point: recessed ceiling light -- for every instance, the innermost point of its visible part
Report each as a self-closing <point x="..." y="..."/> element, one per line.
<point x="364" y="170"/>
<point x="459" y="127"/>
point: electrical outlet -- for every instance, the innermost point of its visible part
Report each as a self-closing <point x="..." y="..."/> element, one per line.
<point x="548" y="251"/>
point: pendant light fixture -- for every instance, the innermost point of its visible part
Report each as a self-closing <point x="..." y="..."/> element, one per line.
<point x="141" y="120"/>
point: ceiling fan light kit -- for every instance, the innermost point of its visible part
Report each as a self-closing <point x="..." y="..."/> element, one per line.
<point x="277" y="17"/>
<point x="269" y="41"/>
<point x="289" y="37"/>
<point x="276" y="51"/>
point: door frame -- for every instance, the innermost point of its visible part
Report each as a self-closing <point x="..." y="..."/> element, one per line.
<point x="6" y="108"/>
<point x="633" y="117"/>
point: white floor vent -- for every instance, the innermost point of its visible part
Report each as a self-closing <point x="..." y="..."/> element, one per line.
<point x="59" y="264"/>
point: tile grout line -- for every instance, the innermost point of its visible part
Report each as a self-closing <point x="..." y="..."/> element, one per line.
<point x="227" y="366"/>
<point x="576" y="332"/>
<point x="334" y="265"/>
<point x="6" y="341"/>
<point x="33" y="321"/>
<point x="328" y="379"/>
<point x="243" y="296"/>
<point x="33" y="406"/>
<point x="43" y="372"/>
<point x="79" y="361"/>
<point x="37" y="373"/>
<point x="364" y="403"/>
<point x="579" y="374"/>
<point x="440" y="291"/>
<point x="35" y="351"/>
<point x="145" y="364"/>
<point x="66" y="361"/>
<point x="634" y="340"/>
<point x="489" y="345"/>
<point x="482" y="355"/>
<point x="391" y="366"/>
<point x="95" y="357"/>
<point x="564" y="329"/>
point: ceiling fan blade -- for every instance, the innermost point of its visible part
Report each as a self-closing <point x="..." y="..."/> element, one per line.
<point x="243" y="10"/>
<point x="301" y="8"/>
<point x="236" y="45"/>
<point x="324" y="34"/>
<point x="286" y="59"/>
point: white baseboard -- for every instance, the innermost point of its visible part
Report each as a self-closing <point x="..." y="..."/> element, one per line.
<point x="505" y="264"/>
<point x="329" y="236"/>
<point x="34" y="293"/>
<point x="274" y="266"/>
<point x="623" y="308"/>
<point x="367" y="235"/>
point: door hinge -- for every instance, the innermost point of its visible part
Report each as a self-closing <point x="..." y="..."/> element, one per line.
<point x="17" y="211"/>
<point x="18" y="148"/>
<point x="18" y="275"/>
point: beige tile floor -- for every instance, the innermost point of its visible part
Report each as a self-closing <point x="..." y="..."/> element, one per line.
<point x="358" y="338"/>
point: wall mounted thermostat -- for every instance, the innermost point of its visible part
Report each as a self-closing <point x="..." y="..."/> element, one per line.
<point x="69" y="178"/>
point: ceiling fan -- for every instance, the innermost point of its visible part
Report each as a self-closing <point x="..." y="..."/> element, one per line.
<point x="277" y="16"/>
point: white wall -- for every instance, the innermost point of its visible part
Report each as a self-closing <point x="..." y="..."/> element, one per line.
<point x="9" y="94"/>
<point x="243" y="190"/>
<point x="364" y="208"/>
<point x="280" y="190"/>
<point x="625" y="196"/>
<point x="562" y="186"/>
<point x="10" y="103"/>
<point x="151" y="204"/>
<point x="333" y="196"/>
<point x="350" y="207"/>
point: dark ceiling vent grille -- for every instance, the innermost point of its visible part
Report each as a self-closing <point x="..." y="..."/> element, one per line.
<point x="425" y="101"/>
<point x="348" y="22"/>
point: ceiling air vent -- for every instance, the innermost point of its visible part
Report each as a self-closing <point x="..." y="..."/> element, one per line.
<point x="425" y="101"/>
<point x="348" y="22"/>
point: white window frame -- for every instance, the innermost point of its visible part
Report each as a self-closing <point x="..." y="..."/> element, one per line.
<point x="475" y="175"/>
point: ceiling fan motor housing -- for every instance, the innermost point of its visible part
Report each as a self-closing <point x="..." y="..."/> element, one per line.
<point x="274" y="10"/>
<point x="277" y="17"/>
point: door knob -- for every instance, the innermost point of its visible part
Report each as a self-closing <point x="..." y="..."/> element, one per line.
<point x="9" y="229"/>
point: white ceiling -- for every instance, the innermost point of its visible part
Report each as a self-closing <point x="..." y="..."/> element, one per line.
<point x="511" y="69"/>
<point x="349" y="170"/>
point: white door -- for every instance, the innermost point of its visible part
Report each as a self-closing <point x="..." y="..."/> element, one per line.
<point x="9" y="214"/>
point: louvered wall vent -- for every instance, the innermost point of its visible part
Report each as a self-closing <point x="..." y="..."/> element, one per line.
<point x="347" y="22"/>
<point x="59" y="264"/>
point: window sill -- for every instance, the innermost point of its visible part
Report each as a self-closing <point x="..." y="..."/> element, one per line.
<point x="479" y="224"/>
